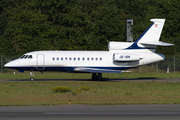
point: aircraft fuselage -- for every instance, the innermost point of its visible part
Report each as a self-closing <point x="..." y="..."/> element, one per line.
<point x="67" y="61"/>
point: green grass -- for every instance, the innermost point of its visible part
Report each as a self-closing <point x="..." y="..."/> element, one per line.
<point x="98" y="93"/>
<point x="88" y="92"/>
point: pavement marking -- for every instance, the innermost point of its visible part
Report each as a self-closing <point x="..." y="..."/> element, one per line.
<point x="121" y="113"/>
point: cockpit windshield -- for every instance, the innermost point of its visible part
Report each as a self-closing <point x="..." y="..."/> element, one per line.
<point x="26" y="57"/>
<point x="22" y="57"/>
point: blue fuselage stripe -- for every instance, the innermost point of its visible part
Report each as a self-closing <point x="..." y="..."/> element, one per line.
<point x="64" y="69"/>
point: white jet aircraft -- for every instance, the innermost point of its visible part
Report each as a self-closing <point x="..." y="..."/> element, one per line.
<point x="121" y="56"/>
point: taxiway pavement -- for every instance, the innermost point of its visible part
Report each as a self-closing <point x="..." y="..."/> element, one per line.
<point x="89" y="112"/>
<point x="104" y="80"/>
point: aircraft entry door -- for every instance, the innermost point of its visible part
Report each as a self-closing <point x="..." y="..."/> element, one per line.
<point x="40" y="62"/>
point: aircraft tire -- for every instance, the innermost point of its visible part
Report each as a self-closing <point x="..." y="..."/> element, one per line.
<point x="94" y="77"/>
<point x="31" y="79"/>
<point x="99" y="76"/>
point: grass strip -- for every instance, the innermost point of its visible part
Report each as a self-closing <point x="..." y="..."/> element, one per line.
<point x="98" y="93"/>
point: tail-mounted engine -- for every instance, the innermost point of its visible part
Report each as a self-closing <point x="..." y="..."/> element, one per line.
<point x="125" y="57"/>
<point x="119" y="45"/>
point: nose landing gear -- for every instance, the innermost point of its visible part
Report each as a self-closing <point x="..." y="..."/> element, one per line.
<point x="31" y="73"/>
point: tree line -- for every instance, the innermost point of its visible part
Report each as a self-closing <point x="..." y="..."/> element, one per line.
<point x="31" y="25"/>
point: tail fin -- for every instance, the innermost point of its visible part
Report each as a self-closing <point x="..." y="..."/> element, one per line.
<point x="150" y="38"/>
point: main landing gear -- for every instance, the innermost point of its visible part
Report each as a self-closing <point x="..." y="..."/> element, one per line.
<point x="97" y="77"/>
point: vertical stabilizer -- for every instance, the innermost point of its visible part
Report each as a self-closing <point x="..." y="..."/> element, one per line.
<point x="150" y="38"/>
<point x="153" y="32"/>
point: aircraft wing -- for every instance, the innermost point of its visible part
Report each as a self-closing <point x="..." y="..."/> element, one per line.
<point x="95" y="70"/>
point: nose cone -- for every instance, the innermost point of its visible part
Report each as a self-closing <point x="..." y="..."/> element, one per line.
<point x="11" y="64"/>
<point x="8" y="65"/>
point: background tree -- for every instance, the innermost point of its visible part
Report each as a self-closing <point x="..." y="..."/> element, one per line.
<point x="30" y="25"/>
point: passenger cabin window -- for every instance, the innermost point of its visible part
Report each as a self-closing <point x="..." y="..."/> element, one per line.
<point x="92" y="58"/>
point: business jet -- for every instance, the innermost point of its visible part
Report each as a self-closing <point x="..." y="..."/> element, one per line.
<point x="120" y="57"/>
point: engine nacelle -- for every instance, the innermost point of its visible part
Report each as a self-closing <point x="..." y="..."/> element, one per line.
<point x="125" y="57"/>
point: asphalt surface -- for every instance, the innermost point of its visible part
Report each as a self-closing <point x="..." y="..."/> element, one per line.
<point x="104" y="80"/>
<point x="87" y="112"/>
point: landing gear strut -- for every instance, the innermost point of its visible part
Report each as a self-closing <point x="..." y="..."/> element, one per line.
<point x="97" y="77"/>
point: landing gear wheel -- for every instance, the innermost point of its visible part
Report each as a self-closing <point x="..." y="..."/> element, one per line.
<point x="100" y="76"/>
<point x="94" y="77"/>
<point x="31" y="79"/>
<point x="97" y="77"/>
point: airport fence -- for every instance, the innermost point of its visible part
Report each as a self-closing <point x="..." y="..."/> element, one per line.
<point x="170" y="64"/>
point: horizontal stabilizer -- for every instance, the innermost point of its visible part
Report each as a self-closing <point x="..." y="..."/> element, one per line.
<point x="95" y="70"/>
<point x="157" y="43"/>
